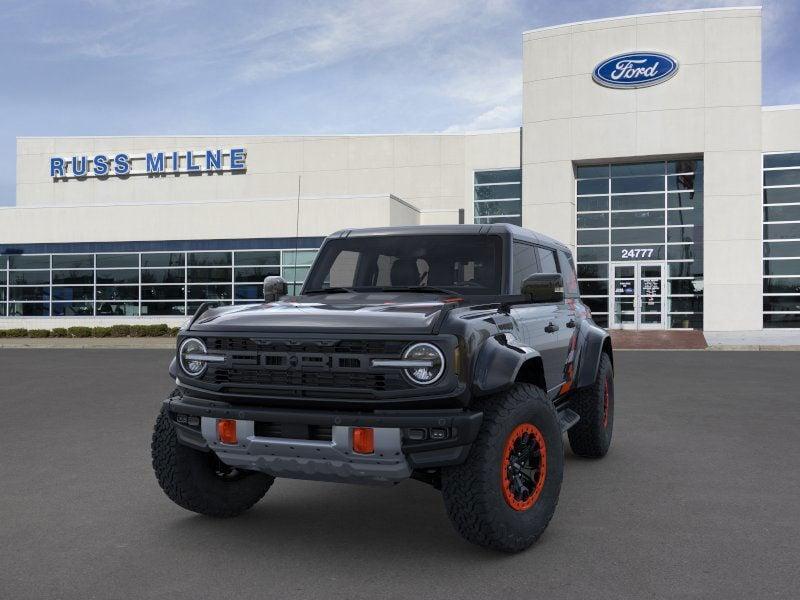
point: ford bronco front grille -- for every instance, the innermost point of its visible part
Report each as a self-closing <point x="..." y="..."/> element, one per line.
<point x="304" y="367"/>
<point x="335" y="346"/>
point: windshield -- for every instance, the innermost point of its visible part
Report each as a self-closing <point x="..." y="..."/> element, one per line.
<point x="463" y="264"/>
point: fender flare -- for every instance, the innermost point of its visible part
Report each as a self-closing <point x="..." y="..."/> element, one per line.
<point x="594" y="341"/>
<point x="498" y="364"/>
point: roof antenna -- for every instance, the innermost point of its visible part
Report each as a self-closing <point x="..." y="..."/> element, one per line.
<point x="296" y="238"/>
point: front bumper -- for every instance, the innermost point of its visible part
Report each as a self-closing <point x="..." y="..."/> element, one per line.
<point x="397" y="454"/>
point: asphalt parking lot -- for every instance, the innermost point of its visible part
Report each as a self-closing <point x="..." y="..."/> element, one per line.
<point x="698" y="498"/>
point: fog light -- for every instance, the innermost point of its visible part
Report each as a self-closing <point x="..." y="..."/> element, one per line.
<point x="363" y="440"/>
<point x="226" y="431"/>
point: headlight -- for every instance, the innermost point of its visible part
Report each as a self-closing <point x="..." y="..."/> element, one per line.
<point x="431" y="357"/>
<point x="189" y="347"/>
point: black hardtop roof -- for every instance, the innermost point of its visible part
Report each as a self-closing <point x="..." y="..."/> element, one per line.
<point x="518" y="233"/>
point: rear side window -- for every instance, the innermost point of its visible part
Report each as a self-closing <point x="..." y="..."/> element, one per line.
<point x="524" y="265"/>
<point x="547" y="260"/>
<point x="568" y="270"/>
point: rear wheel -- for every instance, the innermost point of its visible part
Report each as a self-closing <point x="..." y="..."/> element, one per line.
<point x="591" y="436"/>
<point x="505" y="493"/>
<point x="199" y="481"/>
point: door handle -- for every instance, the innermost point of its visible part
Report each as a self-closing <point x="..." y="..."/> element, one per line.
<point x="551" y="328"/>
<point x="571" y="323"/>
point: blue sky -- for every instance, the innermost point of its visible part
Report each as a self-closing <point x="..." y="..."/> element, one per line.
<point x="102" y="67"/>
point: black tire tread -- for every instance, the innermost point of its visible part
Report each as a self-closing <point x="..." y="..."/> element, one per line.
<point x="176" y="469"/>
<point x="472" y="512"/>
<point x="585" y="437"/>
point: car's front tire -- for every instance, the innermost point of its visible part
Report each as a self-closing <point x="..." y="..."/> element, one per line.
<point x="199" y="481"/>
<point x="504" y="495"/>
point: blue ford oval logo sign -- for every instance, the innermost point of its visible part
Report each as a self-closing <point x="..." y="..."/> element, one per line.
<point x="635" y="70"/>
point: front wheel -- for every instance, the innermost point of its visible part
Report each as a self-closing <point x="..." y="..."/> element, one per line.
<point x="199" y="481"/>
<point x="504" y="495"/>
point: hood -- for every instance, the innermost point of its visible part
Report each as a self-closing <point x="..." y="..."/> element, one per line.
<point x="390" y="313"/>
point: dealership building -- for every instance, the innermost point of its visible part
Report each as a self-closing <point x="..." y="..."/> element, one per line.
<point x="644" y="146"/>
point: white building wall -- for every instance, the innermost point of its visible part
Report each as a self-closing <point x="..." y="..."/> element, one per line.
<point x="218" y="219"/>
<point x="430" y="172"/>
<point x="781" y="128"/>
<point x="712" y="107"/>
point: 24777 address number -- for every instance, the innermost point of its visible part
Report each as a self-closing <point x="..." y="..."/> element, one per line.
<point x="637" y="252"/>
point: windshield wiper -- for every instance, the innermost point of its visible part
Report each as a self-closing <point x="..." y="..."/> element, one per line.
<point x="331" y="290"/>
<point x="422" y="289"/>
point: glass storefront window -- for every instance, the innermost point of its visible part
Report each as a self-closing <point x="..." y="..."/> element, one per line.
<point x="163" y="275"/>
<point x="497" y="197"/>
<point x="83" y="292"/>
<point x="107" y="276"/>
<point x="73" y="261"/>
<point x="28" y="309"/>
<point x="781" y="228"/>
<point x="29" y="277"/>
<point x="257" y="258"/>
<point x="213" y="275"/>
<point x="208" y="259"/>
<point x="114" y="283"/>
<point x="163" y="259"/>
<point x="73" y="309"/>
<point x="29" y="261"/>
<point x="116" y="261"/>
<point x="643" y="212"/>
<point x="254" y="274"/>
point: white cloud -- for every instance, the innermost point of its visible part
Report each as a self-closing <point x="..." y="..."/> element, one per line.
<point x="497" y="117"/>
<point x="323" y="37"/>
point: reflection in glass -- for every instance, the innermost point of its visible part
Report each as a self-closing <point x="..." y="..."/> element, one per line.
<point x="117" y="261"/>
<point x="73" y="309"/>
<point x="29" y="277"/>
<point x="118" y="309"/>
<point x="73" y="261"/>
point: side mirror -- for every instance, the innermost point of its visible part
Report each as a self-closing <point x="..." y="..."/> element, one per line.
<point x="544" y="287"/>
<point x="274" y="287"/>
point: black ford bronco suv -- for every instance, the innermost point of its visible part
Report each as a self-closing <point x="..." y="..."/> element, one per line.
<point x="456" y="355"/>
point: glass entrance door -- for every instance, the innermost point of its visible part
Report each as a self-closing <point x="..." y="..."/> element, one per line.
<point x="637" y="295"/>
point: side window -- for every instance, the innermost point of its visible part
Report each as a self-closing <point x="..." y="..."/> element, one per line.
<point x="547" y="258"/>
<point x="524" y="264"/>
<point x="570" y="281"/>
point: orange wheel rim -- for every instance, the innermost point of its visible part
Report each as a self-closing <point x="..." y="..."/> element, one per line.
<point x="606" y="400"/>
<point x="523" y="467"/>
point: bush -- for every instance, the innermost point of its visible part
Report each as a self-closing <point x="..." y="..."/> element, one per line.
<point x="157" y="330"/>
<point x="16" y="332"/>
<point x="161" y="330"/>
<point x="80" y="332"/>
<point x="120" y="330"/>
<point x="138" y="331"/>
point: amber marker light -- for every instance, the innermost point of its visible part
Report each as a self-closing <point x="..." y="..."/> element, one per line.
<point x="363" y="440"/>
<point x="226" y="431"/>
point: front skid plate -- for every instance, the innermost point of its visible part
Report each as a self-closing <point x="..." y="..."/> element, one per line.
<point x="311" y="459"/>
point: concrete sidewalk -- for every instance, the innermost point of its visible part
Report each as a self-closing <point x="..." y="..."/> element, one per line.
<point x="152" y="343"/>
<point x="766" y="339"/>
<point x="623" y="340"/>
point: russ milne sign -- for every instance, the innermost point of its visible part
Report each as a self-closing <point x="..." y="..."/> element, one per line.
<point x="635" y="70"/>
<point x="151" y="163"/>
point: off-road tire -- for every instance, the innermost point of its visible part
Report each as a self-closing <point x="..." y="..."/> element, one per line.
<point x="591" y="436"/>
<point x="473" y="491"/>
<point x="189" y="477"/>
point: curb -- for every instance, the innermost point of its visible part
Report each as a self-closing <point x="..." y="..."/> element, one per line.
<point x="755" y="348"/>
<point x="89" y="343"/>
